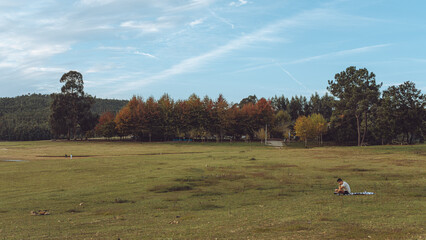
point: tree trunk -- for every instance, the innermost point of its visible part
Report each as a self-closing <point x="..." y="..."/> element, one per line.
<point x="365" y="128"/>
<point x="358" y="130"/>
<point x="411" y="139"/>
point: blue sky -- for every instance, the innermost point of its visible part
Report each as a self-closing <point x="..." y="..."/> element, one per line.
<point x="234" y="47"/>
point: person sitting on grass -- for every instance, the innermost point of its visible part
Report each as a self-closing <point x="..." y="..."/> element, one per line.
<point x="343" y="187"/>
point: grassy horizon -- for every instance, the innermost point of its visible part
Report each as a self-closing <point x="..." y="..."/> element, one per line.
<point x="131" y="190"/>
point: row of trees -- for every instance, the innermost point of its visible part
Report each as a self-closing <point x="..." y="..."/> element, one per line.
<point x="312" y="127"/>
<point x="357" y="112"/>
<point x="166" y="119"/>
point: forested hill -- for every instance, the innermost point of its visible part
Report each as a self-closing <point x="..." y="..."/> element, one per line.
<point x="26" y="117"/>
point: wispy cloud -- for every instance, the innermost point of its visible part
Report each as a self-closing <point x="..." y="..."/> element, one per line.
<point x="196" y="22"/>
<point x="46" y="69"/>
<point x="340" y="53"/>
<point x="95" y="2"/>
<point x="194" y="63"/>
<point x="238" y="3"/>
<point x="194" y="4"/>
<point x="145" y="54"/>
<point x="290" y="75"/>
<point x="147" y="27"/>
<point x="112" y="48"/>
<point x="127" y="49"/>
<point x="222" y="19"/>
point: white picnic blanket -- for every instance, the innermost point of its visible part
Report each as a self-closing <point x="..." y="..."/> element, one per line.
<point x="357" y="193"/>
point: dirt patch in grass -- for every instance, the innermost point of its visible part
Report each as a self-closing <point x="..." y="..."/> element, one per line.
<point x="229" y="176"/>
<point x="119" y="200"/>
<point x="284" y="194"/>
<point x="198" y="181"/>
<point x="73" y="211"/>
<point x="166" y="153"/>
<point x="405" y="163"/>
<point x="363" y="170"/>
<point x="171" y="188"/>
<point x="206" y="206"/>
<point x="293" y="226"/>
<point x="262" y="175"/>
<point x="422" y="153"/>
<point x="206" y="194"/>
<point x="137" y="154"/>
<point x="271" y="167"/>
<point x="341" y="167"/>
<point x="67" y="156"/>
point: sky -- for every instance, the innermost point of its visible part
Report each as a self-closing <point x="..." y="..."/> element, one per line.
<point x="208" y="47"/>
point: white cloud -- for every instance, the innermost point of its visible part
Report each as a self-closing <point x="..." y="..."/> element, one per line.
<point x="145" y="54"/>
<point x="147" y="27"/>
<point x="239" y="3"/>
<point x="19" y="51"/>
<point x="46" y="69"/>
<point x="196" y="22"/>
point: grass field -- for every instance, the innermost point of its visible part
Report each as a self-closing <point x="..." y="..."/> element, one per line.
<point x="124" y="190"/>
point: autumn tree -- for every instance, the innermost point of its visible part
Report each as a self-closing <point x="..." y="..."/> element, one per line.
<point x="166" y="116"/>
<point x="311" y="127"/>
<point x="281" y="124"/>
<point x="106" y="126"/>
<point x="235" y="122"/>
<point x="304" y="129"/>
<point x="182" y="118"/>
<point x="319" y="125"/>
<point x="151" y="115"/>
<point x="357" y="92"/>
<point x="129" y="119"/>
<point x="247" y="119"/>
<point x="196" y="117"/>
<point x="220" y="117"/>
<point x="250" y="99"/>
<point x="264" y="113"/>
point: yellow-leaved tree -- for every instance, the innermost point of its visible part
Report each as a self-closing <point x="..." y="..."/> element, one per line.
<point x="308" y="128"/>
<point x="320" y="126"/>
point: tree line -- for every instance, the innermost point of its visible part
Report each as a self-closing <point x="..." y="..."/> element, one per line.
<point x="356" y="112"/>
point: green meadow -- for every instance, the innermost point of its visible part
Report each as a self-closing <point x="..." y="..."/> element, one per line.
<point x="128" y="190"/>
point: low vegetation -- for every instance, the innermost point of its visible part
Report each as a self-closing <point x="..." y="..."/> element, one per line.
<point x="124" y="190"/>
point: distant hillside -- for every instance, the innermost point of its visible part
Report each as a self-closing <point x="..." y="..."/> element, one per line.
<point x="26" y="117"/>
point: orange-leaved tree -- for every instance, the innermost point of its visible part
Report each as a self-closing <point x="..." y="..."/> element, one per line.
<point x="106" y="126"/>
